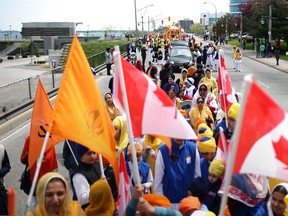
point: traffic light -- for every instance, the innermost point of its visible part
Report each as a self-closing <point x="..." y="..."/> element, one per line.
<point x="169" y="18"/>
<point x="200" y="20"/>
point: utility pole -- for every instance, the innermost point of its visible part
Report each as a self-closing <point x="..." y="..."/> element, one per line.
<point x="270" y="24"/>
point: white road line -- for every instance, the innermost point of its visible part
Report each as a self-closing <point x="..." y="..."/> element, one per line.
<point x="14" y="133"/>
<point x="263" y="84"/>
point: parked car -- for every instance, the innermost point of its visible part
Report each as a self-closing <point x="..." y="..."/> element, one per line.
<point x="180" y="57"/>
<point x="248" y="38"/>
<point x="234" y="36"/>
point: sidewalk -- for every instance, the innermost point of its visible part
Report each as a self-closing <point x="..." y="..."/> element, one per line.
<point x="283" y="65"/>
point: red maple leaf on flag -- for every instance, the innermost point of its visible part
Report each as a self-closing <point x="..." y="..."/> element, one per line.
<point x="281" y="149"/>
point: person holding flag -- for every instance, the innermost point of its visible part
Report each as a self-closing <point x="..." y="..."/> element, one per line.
<point x="247" y="191"/>
<point x="49" y="163"/>
<point x="87" y="172"/>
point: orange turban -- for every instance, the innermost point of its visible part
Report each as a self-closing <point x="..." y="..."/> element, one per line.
<point x="189" y="203"/>
<point x="157" y="200"/>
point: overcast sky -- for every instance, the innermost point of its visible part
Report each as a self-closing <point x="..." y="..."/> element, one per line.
<point x="101" y="14"/>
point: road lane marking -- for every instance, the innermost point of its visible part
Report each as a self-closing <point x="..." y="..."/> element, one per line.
<point x="263" y="84"/>
<point x="14" y="133"/>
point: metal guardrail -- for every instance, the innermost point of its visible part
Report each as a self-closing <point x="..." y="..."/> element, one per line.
<point x="23" y="91"/>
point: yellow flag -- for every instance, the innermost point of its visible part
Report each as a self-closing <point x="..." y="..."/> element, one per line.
<point x="41" y="115"/>
<point x="79" y="113"/>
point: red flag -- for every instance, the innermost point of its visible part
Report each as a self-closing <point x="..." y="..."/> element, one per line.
<point x="151" y="110"/>
<point x="123" y="187"/>
<point x="263" y="138"/>
<point x="226" y="95"/>
<point x="222" y="148"/>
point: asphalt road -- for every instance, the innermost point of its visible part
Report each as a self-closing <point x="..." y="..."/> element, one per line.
<point x="272" y="80"/>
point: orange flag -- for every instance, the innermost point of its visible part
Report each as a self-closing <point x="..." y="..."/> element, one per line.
<point x="79" y="112"/>
<point x="41" y="115"/>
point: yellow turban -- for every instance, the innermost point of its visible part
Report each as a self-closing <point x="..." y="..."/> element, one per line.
<point x="233" y="111"/>
<point x="217" y="168"/>
<point x="204" y="131"/>
<point x="138" y="147"/>
<point x="207" y="145"/>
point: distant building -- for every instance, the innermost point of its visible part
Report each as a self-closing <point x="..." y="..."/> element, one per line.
<point x="185" y="24"/>
<point x="209" y="18"/>
<point x="47" y="29"/>
<point x="234" y="5"/>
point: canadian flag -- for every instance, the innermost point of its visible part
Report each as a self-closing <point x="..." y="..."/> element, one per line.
<point x="263" y="139"/>
<point x="226" y="94"/>
<point x="222" y="147"/>
<point x="123" y="187"/>
<point x="151" y="110"/>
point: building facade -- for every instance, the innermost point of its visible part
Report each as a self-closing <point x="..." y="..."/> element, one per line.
<point x="48" y="29"/>
<point x="234" y="5"/>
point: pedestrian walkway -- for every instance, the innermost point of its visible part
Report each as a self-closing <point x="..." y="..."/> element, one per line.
<point x="283" y="65"/>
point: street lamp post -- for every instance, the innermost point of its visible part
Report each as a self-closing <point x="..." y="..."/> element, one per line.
<point x="10" y="32"/>
<point x="214" y="8"/>
<point x="142" y="15"/>
<point x="135" y="11"/>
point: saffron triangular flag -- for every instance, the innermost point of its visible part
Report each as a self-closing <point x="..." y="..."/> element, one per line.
<point x="226" y="94"/>
<point x="80" y="114"/>
<point x="263" y="140"/>
<point x="41" y="115"/>
<point x="123" y="188"/>
<point x="151" y="110"/>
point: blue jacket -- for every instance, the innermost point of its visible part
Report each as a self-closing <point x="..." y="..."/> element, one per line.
<point x="204" y="164"/>
<point x="144" y="169"/>
<point x="179" y="170"/>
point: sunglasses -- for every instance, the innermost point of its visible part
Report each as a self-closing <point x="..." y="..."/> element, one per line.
<point x="200" y="102"/>
<point x="202" y="89"/>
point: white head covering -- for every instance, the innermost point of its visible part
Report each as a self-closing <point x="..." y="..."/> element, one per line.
<point x="270" y="212"/>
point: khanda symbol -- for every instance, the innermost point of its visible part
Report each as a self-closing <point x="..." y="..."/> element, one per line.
<point x="42" y="131"/>
<point x="94" y="122"/>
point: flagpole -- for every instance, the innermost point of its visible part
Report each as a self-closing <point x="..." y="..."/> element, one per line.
<point x="38" y="166"/>
<point x="101" y="166"/>
<point x="223" y="141"/>
<point x="76" y="161"/>
<point x="127" y="111"/>
<point x="235" y="139"/>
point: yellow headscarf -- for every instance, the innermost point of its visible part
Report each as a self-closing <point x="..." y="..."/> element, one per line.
<point x="101" y="200"/>
<point x="113" y="111"/>
<point x="155" y="144"/>
<point x="183" y="78"/>
<point x="119" y="123"/>
<point x="69" y="207"/>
